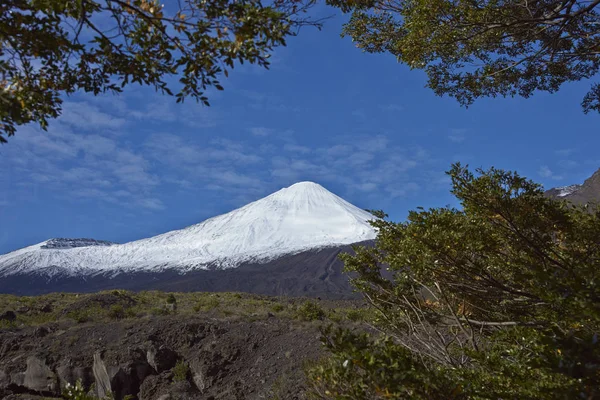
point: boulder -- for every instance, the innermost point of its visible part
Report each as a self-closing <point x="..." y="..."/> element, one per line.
<point x="119" y="381"/>
<point x="41" y="331"/>
<point x="161" y="358"/>
<point x="4" y="378"/>
<point x="39" y="377"/>
<point x="103" y="388"/>
<point x="68" y="373"/>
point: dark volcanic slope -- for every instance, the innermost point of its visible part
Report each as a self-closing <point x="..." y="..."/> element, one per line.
<point x="589" y="192"/>
<point x="312" y="273"/>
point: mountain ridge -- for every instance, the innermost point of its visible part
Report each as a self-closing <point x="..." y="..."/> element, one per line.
<point x="303" y="219"/>
<point x="585" y="193"/>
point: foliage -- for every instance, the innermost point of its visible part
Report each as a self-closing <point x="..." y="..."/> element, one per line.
<point x="310" y="311"/>
<point x="49" y="48"/>
<point x="180" y="371"/>
<point x="117" y="311"/>
<point x="171" y="299"/>
<point x="498" y="299"/>
<point x="488" y="48"/>
<point x="277" y="307"/>
<point x="363" y="369"/>
<point x="76" y="392"/>
<point x="377" y="213"/>
<point x="71" y="307"/>
<point x="81" y="316"/>
<point x="207" y="304"/>
<point x="355" y="315"/>
<point x="159" y="311"/>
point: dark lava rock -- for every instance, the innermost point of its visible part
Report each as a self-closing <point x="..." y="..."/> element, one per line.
<point x="46" y="308"/>
<point x="40" y="331"/>
<point x="223" y="359"/>
<point x="161" y="359"/>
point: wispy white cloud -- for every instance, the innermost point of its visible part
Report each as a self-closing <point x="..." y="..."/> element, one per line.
<point x="364" y="164"/>
<point x="546" y="172"/>
<point x="565" y="152"/>
<point x="83" y="115"/>
<point x="568" y="164"/>
<point x="136" y="108"/>
<point x="75" y="165"/>
<point x="294" y="148"/>
<point x="457" y="135"/>
<point x="105" y="166"/>
<point x="265" y="101"/>
<point x="261" y="131"/>
<point x="151" y="204"/>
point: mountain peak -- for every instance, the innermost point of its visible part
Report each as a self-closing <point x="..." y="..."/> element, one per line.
<point x="304" y="188"/>
<point x="588" y="192"/>
<point x="305" y="185"/>
<point x="303" y="191"/>
<point x="301" y="217"/>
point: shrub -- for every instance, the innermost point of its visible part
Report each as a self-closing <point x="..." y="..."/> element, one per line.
<point x="76" y="392"/>
<point x="180" y="371"/>
<point x="80" y="316"/>
<point x="334" y="316"/>
<point x="310" y="311"/>
<point x="116" y="312"/>
<point x="277" y="307"/>
<point x="497" y="300"/>
<point x="206" y="304"/>
<point x="171" y="299"/>
<point x="159" y="311"/>
<point x="355" y="315"/>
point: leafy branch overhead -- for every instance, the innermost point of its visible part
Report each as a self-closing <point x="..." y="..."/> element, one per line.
<point x="53" y="47"/>
<point x="488" y="48"/>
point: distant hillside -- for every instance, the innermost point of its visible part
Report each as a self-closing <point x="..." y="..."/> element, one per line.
<point x="586" y="193"/>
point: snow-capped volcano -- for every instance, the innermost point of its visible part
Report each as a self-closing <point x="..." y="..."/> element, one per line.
<point x="294" y="219"/>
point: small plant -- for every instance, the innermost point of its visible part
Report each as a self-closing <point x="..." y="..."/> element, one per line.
<point x="355" y="315"/>
<point x="171" y="299"/>
<point x="207" y="304"/>
<point x="80" y="316"/>
<point x="76" y="392"/>
<point x="334" y="316"/>
<point x="310" y="311"/>
<point x="7" y="324"/>
<point x="116" y="312"/>
<point x="180" y="371"/>
<point x="277" y="307"/>
<point x="159" y="311"/>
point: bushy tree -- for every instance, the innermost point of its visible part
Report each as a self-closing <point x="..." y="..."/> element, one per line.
<point x="498" y="299"/>
<point x="49" y="48"/>
<point x="486" y="48"/>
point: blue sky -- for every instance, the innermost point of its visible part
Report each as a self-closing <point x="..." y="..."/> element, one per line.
<point x="136" y="165"/>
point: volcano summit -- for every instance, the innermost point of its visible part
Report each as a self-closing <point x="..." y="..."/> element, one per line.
<point x="285" y="243"/>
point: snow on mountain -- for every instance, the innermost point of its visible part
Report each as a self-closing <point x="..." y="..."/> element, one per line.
<point x="567" y="190"/>
<point x="301" y="217"/>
